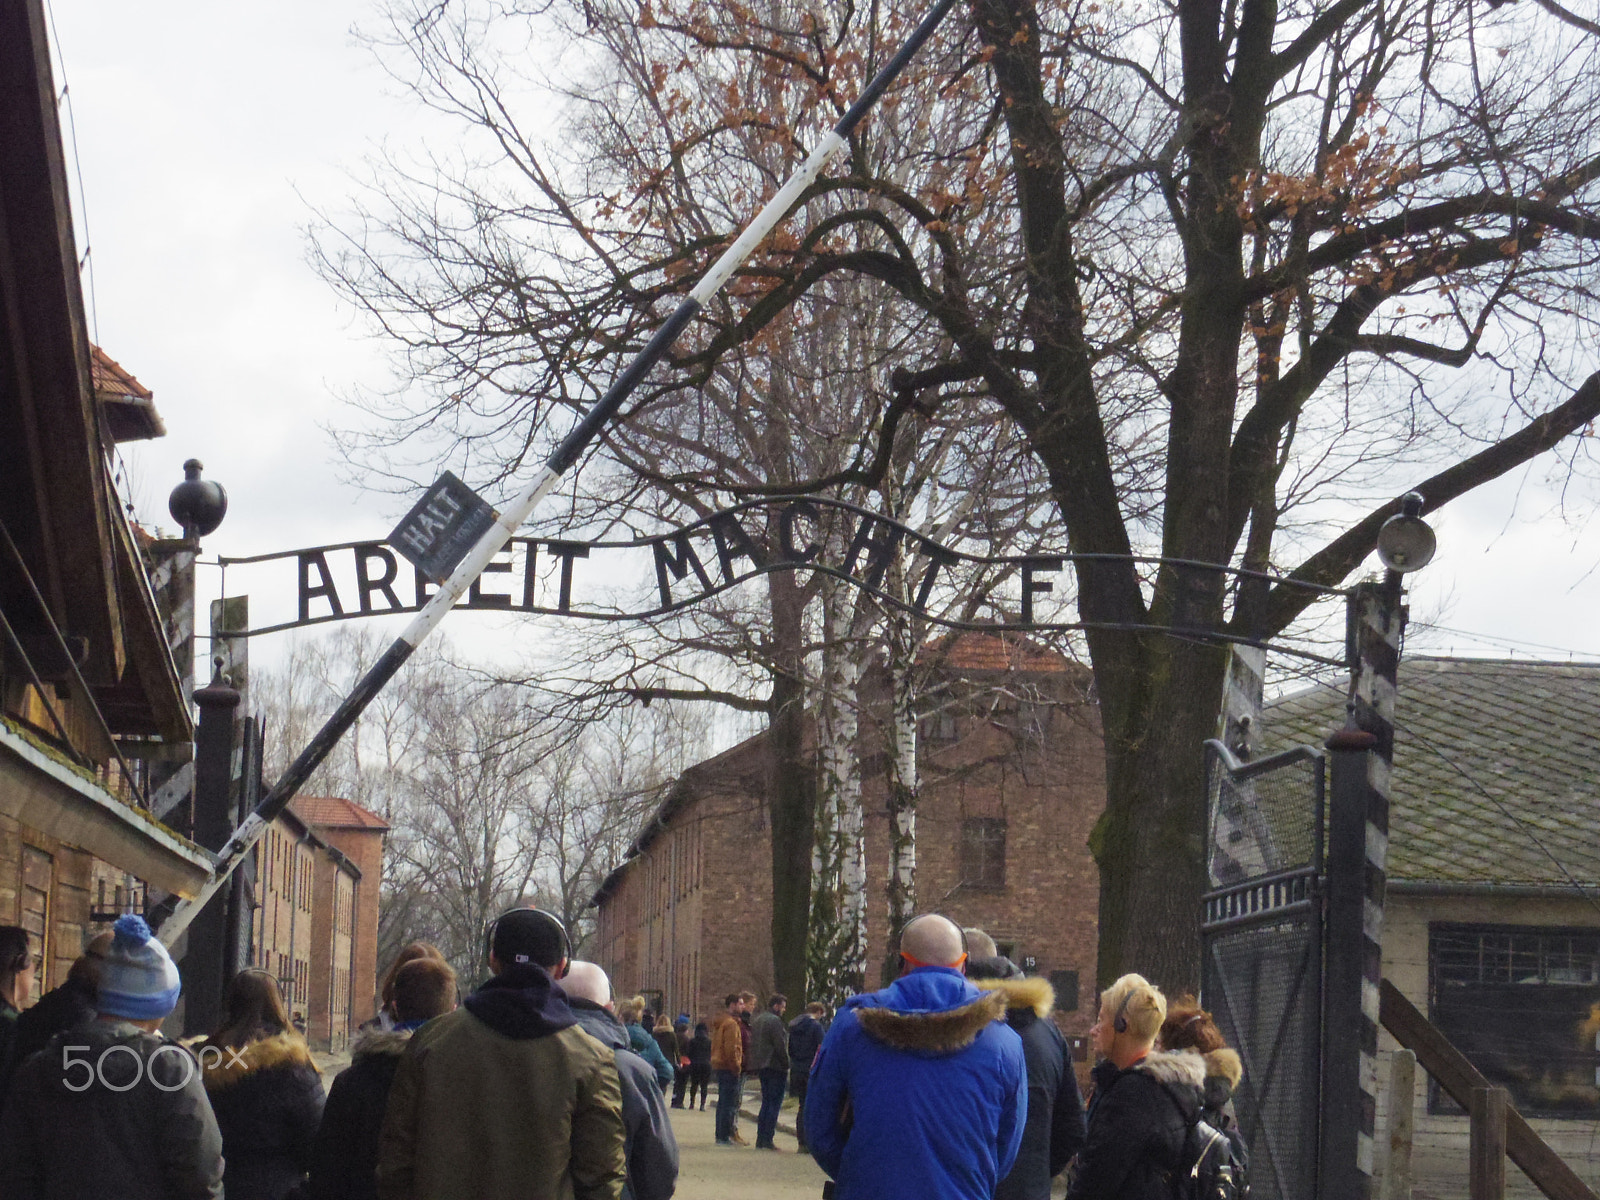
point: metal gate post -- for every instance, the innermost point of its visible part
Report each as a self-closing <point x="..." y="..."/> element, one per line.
<point x="1358" y="837"/>
<point x="203" y="960"/>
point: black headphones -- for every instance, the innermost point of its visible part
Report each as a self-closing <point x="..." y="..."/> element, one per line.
<point x="1120" y="1021"/>
<point x="555" y="921"/>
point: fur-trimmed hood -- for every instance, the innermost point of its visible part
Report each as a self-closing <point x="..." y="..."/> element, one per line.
<point x="380" y="1043"/>
<point x="1225" y="1064"/>
<point x="227" y="1067"/>
<point x="933" y="1010"/>
<point x="1033" y="993"/>
<point x="1175" y="1068"/>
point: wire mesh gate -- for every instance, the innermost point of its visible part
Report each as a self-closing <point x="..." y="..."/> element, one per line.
<point x="1261" y="937"/>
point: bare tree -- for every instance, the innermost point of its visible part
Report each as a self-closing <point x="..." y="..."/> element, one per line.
<point x="1234" y="271"/>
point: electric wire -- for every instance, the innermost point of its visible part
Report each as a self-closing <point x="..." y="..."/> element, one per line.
<point x="86" y="263"/>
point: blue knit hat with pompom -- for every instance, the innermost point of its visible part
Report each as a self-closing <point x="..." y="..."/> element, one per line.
<point x="138" y="979"/>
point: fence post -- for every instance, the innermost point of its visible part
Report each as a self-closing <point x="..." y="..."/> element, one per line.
<point x="1487" y="1162"/>
<point x="1358" y="840"/>
<point x="1402" y="1124"/>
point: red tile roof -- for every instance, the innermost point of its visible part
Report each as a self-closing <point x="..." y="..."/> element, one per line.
<point x="128" y="405"/>
<point x="335" y="812"/>
<point x="111" y="378"/>
<point x="975" y="650"/>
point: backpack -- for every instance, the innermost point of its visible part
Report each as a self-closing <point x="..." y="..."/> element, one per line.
<point x="1213" y="1165"/>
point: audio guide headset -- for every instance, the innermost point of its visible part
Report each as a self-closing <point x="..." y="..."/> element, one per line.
<point x="961" y="929"/>
<point x="551" y="919"/>
<point x="1120" y="1021"/>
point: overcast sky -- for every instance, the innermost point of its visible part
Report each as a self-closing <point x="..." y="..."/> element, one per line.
<point x="206" y="132"/>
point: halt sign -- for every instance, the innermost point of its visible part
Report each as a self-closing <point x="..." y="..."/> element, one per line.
<point x="446" y="523"/>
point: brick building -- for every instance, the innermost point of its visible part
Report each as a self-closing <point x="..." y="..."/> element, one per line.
<point x="88" y="676"/>
<point x="315" y="913"/>
<point x="357" y="834"/>
<point x="1012" y="781"/>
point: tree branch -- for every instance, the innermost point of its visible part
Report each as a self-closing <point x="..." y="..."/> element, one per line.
<point x="1334" y="562"/>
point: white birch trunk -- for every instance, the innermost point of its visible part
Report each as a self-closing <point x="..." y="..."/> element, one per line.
<point x="838" y="927"/>
<point x="902" y="777"/>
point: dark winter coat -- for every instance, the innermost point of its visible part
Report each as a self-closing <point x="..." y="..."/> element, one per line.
<point x="805" y="1039"/>
<point x="1055" y="1128"/>
<point x="700" y="1056"/>
<point x="70" y="1006"/>
<point x="643" y="1043"/>
<point x="504" y="1099"/>
<point x="268" y="1099"/>
<point x="344" y="1158"/>
<point x="1138" y="1124"/>
<point x="668" y="1042"/>
<point x="155" y="1140"/>
<point x="8" y="1042"/>
<point x="920" y="1091"/>
<point x="769" y="1043"/>
<point x="651" y="1149"/>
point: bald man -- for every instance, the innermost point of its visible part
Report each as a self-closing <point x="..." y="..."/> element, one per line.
<point x="920" y="1089"/>
<point x="650" y="1148"/>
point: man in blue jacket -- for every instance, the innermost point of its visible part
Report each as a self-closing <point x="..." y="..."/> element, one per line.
<point x="920" y="1090"/>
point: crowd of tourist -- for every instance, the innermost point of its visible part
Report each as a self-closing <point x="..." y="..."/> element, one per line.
<point x="953" y="1082"/>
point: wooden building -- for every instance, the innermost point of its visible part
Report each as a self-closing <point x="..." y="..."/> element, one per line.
<point x="87" y="670"/>
<point x="1012" y="782"/>
<point x="1492" y="923"/>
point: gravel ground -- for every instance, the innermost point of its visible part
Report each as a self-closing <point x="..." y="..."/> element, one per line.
<point x="707" y="1171"/>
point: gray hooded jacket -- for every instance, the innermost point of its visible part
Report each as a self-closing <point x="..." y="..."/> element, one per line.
<point x="651" y="1150"/>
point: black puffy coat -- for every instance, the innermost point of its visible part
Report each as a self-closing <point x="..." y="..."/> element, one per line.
<point x="1055" y="1128"/>
<point x="1139" y="1120"/>
<point x="268" y="1108"/>
<point x="700" y="1054"/>
<point x="344" y="1157"/>
<point x="70" y="1006"/>
<point x="805" y="1039"/>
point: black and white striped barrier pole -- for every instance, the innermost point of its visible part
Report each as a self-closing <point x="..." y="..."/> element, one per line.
<point x="1362" y="756"/>
<point x="437" y="528"/>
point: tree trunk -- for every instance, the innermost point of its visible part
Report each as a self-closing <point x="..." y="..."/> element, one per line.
<point x="1149" y="845"/>
<point x="837" y="950"/>
<point x="902" y="776"/>
<point x="790" y="794"/>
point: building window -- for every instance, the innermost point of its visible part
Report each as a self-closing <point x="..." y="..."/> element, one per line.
<point x="940" y="726"/>
<point x="983" y="852"/>
<point x="1523" y="1004"/>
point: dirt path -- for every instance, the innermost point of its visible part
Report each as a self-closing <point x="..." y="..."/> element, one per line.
<point x="707" y="1171"/>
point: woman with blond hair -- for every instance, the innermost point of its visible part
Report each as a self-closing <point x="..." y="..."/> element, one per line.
<point x="1144" y="1100"/>
<point x="642" y="1042"/>
<point x="265" y="1090"/>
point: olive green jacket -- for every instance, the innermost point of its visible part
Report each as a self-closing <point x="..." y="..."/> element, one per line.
<point x="478" y="1115"/>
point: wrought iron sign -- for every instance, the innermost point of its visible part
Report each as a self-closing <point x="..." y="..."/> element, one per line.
<point x="643" y="577"/>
